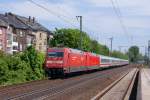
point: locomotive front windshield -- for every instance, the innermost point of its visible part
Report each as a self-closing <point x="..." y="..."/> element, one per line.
<point x="55" y="54"/>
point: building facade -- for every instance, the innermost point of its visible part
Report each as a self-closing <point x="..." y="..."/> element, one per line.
<point x="41" y="41"/>
<point x="21" y="32"/>
<point x="3" y="35"/>
<point x="9" y="45"/>
<point x="40" y="32"/>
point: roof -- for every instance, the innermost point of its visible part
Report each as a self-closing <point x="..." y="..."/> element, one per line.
<point x="23" y="22"/>
<point x="12" y="21"/>
<point x="3" y="23"/>
<point x="34" y="25"/>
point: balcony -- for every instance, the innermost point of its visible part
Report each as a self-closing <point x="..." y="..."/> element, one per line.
<point x="15" y="44"/>
<point x="29" y="44"/>
<point x="9" y="43"/>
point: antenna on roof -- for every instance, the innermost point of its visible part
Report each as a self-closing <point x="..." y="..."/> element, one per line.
<point x="33" y="19"/>
<point x="29" y="18"/>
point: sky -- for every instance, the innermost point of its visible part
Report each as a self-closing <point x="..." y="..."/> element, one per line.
<point x="128" y="23"/>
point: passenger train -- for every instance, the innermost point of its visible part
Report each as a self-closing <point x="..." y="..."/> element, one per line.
<point x="60" y="61"/>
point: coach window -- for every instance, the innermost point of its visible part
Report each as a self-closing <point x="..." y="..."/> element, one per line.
<point x="105" y="60"/>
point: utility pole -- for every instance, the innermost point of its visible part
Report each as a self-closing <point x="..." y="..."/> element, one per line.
<point x="111" y="39"/>
<point x="80" y="17"/>
<point x="146" y="51"/>
<point x="120" y="48"/>
<point x="149" y="52"/>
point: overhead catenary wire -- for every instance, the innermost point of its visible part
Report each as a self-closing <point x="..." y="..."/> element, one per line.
<point x="119" y="16"/>
<point x="52" y="12"/>
<point x="60" y="16"/>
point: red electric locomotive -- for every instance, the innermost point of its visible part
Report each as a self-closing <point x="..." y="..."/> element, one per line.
<point x="65" y="60"/>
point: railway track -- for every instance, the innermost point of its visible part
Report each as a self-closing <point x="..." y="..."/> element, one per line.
<point x="120" y="89"/>
<point x="54" y="90"/>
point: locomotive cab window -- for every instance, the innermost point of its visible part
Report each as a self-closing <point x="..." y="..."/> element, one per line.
<point x="55" y="54"/>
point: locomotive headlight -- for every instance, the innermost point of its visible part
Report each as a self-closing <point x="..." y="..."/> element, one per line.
<point x="59" y="62"/>
<point x="49" y="61"/>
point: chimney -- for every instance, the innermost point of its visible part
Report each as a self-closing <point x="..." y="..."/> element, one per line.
<point x="33" y="19"/>
<point x="29" y="18"/>
<point x="6" y="14"/>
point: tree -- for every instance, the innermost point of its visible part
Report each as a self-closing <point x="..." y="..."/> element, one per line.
<point x="104" y="50"/>
<point x="70" y="38"/>
<point x="133" y="53"/>
<point x="95" y="47"/>
<point x="118" y="54"/>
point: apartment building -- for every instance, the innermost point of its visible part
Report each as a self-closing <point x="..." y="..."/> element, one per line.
<point x="16" y="33"/>
<point x="41" y="33"/>
<point x="21" y="32"/>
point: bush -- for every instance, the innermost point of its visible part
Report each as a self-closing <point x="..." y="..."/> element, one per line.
<point x="21" y="67"/>
<point x="3" y="71"/>
<point x="35" y="60"/>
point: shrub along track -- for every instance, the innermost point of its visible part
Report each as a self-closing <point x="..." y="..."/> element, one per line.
<point x="80" y="87"/>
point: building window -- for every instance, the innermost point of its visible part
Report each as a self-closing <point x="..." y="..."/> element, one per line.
<point x="40" y="46"/>
<point x="14" y="38"/>
<point x="1" y="31"/>
<point x="1" y="46"/>
<point x="21" y="34"/>
<point x="20" y="47"/>
<point x="15" y="48"/>
<point x="45" y="42"/>
<point x="29" y="40"/>
<point x="40" y="35"/>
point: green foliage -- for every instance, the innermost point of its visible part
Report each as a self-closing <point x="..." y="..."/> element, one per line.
<point x="35" y="60"/>
<point x="104" y="50"/>
<point x="71" y="38"/>
<point x="21" y="67"/>
<point x="118" y="54"/>
<point x="95" y="47"/>
<point x="98" y="48"/>
<point x="3" y="71"/>
<point x="133" y="53"/>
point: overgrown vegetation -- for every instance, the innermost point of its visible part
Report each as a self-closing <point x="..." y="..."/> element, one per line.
<point x="118" y="54"/>
<point x="135" y="56"/>
<point x="21" y="67"/>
